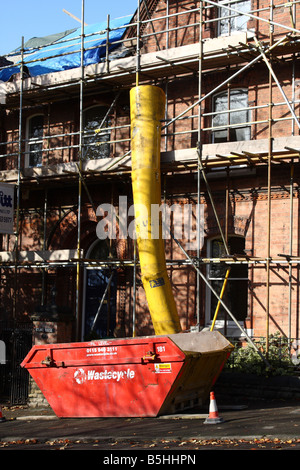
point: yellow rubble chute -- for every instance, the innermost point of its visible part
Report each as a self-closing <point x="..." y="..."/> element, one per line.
<point x="147" y="107"/>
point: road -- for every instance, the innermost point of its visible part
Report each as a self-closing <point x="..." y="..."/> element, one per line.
<point x="267" y="425"/>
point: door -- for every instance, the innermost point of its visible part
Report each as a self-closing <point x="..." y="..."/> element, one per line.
<point x="99" y="319"/>
<point x="236" y="292"/>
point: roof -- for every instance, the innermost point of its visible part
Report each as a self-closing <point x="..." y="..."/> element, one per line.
<point x="46" y="40"/>
<point x="63" y="50"/>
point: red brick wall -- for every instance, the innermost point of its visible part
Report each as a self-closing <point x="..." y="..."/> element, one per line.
<point x="182" y="93"/>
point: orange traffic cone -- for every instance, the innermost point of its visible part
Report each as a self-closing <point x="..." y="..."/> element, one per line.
<point x="213" y="417"/>
<point x="2" y="419"/>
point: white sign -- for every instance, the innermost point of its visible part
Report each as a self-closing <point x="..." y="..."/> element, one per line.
<point x="7" y="208"/>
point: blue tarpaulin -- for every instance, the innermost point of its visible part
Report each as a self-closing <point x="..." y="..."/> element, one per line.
<point x="95" y="38"/>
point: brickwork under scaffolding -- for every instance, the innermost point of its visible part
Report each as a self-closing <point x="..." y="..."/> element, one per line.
<point x="229" y="151"/>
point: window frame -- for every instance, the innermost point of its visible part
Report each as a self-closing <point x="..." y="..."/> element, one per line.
<point x="231" y="15"/>
<point x="33" y="141"/>
<point x="230" y="127"/>
<point x="101" y="137"/>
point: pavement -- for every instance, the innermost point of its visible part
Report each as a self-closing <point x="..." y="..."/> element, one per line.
<point x="242" y="419"/>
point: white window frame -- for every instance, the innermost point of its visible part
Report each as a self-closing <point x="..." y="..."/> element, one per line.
<point x="232" y="16"/>
<point x="245" y="124"/>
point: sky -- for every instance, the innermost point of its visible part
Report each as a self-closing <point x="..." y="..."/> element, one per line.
<point x="37" y="18"/>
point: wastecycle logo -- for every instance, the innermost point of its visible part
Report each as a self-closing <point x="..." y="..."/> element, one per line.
<point x="81" y="376"/>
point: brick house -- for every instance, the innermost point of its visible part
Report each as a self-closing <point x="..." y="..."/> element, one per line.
<point x="229" y="149"/>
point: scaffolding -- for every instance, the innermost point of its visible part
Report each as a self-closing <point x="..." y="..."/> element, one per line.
<point x="232" y="55"/>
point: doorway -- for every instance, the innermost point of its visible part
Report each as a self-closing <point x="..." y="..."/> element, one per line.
<point x="100" y="296"/>
<point x="236" y="293"/>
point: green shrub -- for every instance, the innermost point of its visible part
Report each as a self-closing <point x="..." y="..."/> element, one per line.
<point x="245" y="359"/>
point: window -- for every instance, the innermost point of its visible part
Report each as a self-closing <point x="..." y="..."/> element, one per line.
<point x="236" y="291"/>
<point x="230" y="21"/>
<point x="96" y="143"/>
<point x="231" y="125"/>
<point x="34" y="151"/>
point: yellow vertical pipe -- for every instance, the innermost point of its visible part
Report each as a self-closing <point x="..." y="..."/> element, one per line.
<point x="147" y="106"/>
